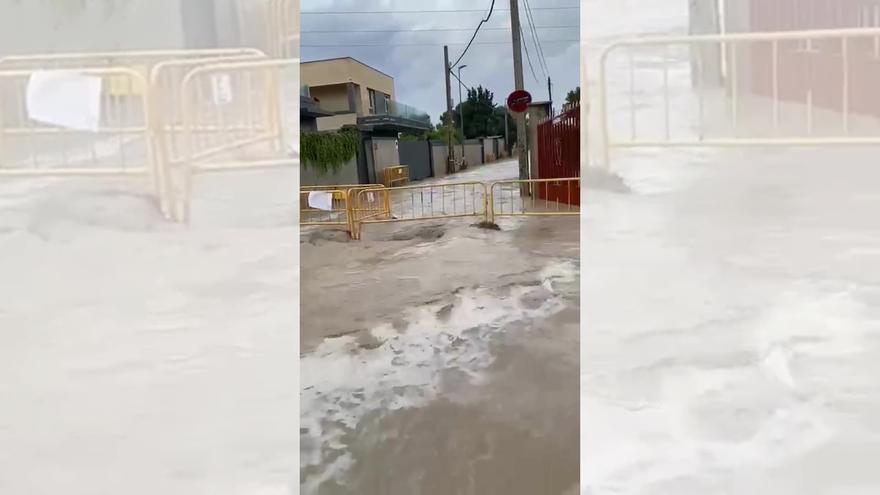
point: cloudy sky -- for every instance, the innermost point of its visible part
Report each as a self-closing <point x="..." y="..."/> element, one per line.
<point x="418" y="70"/>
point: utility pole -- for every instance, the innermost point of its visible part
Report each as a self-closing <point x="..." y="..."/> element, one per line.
<point x="506" y="137"/>
<point x="550" y="94"/>
<point x="461" y="109"/>
<point x="519" y="85"/>
<point x="450" y="159"/>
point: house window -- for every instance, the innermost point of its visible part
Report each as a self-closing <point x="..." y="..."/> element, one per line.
<point x="372" y="94"/>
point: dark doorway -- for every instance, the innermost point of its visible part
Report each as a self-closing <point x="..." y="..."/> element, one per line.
<point x="417" y="156"/>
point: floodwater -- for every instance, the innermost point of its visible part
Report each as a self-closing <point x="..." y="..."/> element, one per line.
<point x="144" y="357"/>
<point x="731" y="312"/>
<point x="441" y="358"/>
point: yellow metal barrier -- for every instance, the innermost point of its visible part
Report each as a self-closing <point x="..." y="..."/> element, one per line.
<point x="116" y="144"/>
<point x="367" y="205"/>
<point x="337" y="216"/>
<point x="799" y="71"/>
<point x="343" y="211"/>
<point x="373" y="203"/>
<point x="138" y="101"/>
<point x="142" y="62"/>
<point x="124" y="86"/>
<point x="433" y="201"/>
<point x="350" y="189"/>
<point x="546" y="197"/>
<point x="396" y="176"/>
<point x="242" y="103"/>
<point x="166" y="81"/>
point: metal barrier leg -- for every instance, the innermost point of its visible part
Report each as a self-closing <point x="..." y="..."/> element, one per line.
<point x="186" y="202"/>
<point x="490" y="207"/>
<point x="350" y="212"/>
<point x="168" y="202"/>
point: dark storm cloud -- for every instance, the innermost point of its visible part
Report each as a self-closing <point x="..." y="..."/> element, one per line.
<point x="418" y="70"/>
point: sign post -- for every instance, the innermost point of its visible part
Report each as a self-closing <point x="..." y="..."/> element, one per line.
<point x="518" y="101"/>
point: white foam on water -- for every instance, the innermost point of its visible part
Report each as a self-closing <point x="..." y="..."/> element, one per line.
<point x="746" y="417"/>
<point x="829" y="325"/>
<point x="343" y="381"/>
<point x="777" y="352"/>
<point x="167" y="348"/>
<point x="565" y="272"/>
<point x="661" y="443"/>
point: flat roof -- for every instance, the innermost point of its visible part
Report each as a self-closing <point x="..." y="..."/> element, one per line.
<point x="346" y="58"/>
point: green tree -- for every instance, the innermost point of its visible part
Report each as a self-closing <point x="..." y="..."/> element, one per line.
<point x="481" y="115"/>
<point x="417" y="135"/>
<point x="573" y="97"/>
<point x="436" y="133"/>
<point x="439" y="133"/>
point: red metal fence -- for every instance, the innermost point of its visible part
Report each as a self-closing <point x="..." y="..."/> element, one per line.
<point x="559" y="156"/>
<point x="816" y="68"/>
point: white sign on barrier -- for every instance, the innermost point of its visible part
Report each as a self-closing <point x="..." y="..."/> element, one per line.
<point x="221" y="84"/>
<point x="321" y="200"/>
<point x="66" y="99"/>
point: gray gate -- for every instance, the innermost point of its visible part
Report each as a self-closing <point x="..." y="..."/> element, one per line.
<point x="417" y="156"/>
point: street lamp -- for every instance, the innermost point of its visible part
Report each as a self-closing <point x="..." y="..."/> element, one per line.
<point x="461" y="110"/>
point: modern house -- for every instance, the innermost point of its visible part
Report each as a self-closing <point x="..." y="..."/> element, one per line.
<point x="359" y="96"/>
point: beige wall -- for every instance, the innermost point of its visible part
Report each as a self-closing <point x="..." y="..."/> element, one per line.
<point x="439" y="154"/>
<point x="489" y="150"/>
<point x="473" y="152"/>
<point x="331" y="98"/>
<point x="345" y="70"/>
<point x="386" y="153"/>
<point x="336" y="121"/>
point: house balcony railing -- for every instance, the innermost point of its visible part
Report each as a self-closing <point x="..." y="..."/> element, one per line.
<point x="403" y="111"/>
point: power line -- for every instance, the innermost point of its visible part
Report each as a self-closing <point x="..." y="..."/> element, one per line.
<point x="393" y="45"/>
<point x="537" y="39"/>
<point x="483" y="21"/>
<point x="460" y="82"/>
<point x="534" y="43"/>
<point x="418" y="30"/>
<point x="344" y="12"/>
<point x="526" y="48"/>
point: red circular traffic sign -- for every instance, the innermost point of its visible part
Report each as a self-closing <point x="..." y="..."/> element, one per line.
<point x="518" y="101"/>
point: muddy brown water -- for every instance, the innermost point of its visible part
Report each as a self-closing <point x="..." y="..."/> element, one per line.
<point x="440" y="358"/>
